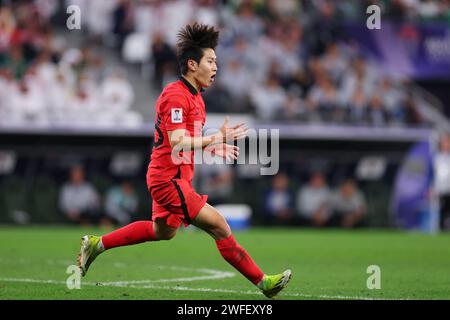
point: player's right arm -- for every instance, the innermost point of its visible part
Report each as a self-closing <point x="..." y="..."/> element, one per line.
<point x="179" y="139"/>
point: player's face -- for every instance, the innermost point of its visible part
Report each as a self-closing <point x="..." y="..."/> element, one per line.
<point x="207" y="68"/>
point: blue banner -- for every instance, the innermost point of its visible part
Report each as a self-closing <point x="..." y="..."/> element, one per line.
<point x="417" y="51"/>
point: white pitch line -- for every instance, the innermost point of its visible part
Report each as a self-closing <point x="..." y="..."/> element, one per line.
<point x="32" y="280"/>
<point x="180" y="288"/>
<point x="250" y="292"/>
<point x="213" y="274"/>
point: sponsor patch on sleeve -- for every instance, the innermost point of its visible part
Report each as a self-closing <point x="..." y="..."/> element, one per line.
<point x="177" y="115"/>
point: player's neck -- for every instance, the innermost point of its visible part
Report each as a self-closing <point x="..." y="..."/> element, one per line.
<point x="192" y="81"/>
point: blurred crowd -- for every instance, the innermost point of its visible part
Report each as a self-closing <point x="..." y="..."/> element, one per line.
<point x="413" y="10"/>
<point x="44" y="79"/>
<point x="315" y="203"/>
<point x="280" y="60"/>
<point x="282" y="200"/>
<point x="81" y="202"/>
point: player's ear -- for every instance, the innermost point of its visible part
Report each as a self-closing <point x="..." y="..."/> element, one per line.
<point x="192" y="65"/>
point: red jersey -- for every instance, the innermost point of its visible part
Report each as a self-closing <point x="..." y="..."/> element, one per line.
<point x="180" y="106"/>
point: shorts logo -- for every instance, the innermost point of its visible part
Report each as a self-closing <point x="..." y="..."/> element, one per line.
<point x="177" y="115"/>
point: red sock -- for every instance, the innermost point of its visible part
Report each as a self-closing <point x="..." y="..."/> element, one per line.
<point x="133" y="233"/>
<point x="235" y="255"/>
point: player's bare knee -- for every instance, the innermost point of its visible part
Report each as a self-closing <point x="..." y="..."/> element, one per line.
<point x="220" y="231"/>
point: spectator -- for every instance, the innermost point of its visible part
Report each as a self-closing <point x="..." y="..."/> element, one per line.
<point x="117" y="92"/>
<point x="293" y="108"/>
<point x="442" y="180"/>
<point x="27" y="104"/>
<point x="251" y="57"/>
<point x="322" y="97"/>
<point x="99" y="17"/>
<point x="78" y="199"/>
<point x="268" y="99"/>
<point x="377" y="114"/>
<point x="83" y="107"/>
<point x="349" y="205"/>
<point x="235" y="80"/>
<point x="121" y="203"/>
<point x="173" y="15"/>
<point x="392" y="100"/>
<point x="313" y="201"/>
<point x="278" y="201"/>
<point x="288" y="53"/>
<point x="206" y="12"/>
<point x="123" y="21"/>
<point x="164" y="60"/>
<point x="357" y="106"/>
<point x="325" y="20"/>
<point x="361" y="76"/>
<point x="334" y="62"/>
<point x="15" y="62"/>
<point x="245" y="22"/>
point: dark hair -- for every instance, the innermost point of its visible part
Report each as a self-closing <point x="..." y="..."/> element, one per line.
<point x="192" y="40"/>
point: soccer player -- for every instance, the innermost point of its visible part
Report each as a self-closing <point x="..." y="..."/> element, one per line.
<point x="180" y="115"/>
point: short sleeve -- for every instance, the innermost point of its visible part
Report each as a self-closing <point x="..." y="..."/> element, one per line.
<point x="175" y="111"/>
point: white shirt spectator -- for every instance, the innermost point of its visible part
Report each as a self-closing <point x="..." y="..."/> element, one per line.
<point x="206" y="15"/>
<point x="310" y="199"/>
<point x="117" y="93"/>
<point x="392" y="96"/>
<point x="268" y="99"/>
<point x="45" y="75"/>
<point x="244" y="23"/>
<point x="99" y="16"/>
<point x="348" y="205"/>
<point x="334" y="62"/>
<point x="176" y="14"/>
<point x="27" y="104"/>
<point x="235" y="79"/>
<point x="442" y="173"/>
<point x="78" y="197"/>
<point x="287" y="57"/>
<point x="323" y="93"/>
<point x="83" y="108"/>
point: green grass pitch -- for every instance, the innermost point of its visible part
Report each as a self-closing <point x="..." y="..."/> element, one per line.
<point x="326" y="264"/>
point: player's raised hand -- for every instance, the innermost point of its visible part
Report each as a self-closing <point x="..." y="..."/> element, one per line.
<point x="236" y="132"/>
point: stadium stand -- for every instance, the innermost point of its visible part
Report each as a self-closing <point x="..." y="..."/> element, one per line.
<point x="289" y="65"/>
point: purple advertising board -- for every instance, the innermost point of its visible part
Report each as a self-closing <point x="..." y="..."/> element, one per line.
<point x="417" y="51"/>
